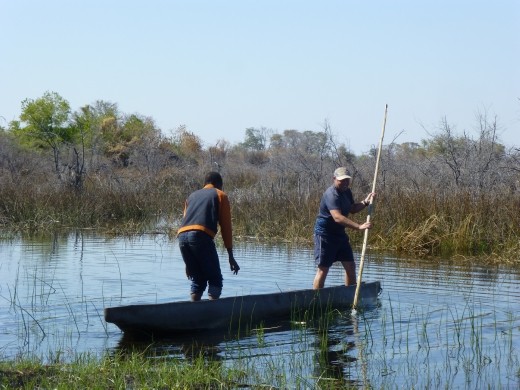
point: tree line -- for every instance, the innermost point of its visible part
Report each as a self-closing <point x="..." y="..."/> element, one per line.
<point x="451" y="192"/>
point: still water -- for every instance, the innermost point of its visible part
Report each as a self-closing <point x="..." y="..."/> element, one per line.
<point x="436" y="324"/>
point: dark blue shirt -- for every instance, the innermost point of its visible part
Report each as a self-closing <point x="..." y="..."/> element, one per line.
<point x="333" y="200"/>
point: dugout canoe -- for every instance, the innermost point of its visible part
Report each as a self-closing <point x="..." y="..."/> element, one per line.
<point x="235" y="312"/>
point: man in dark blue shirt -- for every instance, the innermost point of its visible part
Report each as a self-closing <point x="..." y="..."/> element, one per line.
<point x="331" y="242"/>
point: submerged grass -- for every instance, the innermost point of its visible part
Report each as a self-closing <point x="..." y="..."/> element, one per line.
<point x="444" y="348"/>
<point x="391" y="346"/>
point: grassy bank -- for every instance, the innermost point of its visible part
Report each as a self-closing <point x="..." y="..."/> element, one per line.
<point x="128" y="372"/>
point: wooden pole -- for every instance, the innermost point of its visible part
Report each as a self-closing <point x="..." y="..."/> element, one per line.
<point x="365" y="239"/>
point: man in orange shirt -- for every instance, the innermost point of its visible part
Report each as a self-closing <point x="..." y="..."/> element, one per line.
<point x="203" y="211"/>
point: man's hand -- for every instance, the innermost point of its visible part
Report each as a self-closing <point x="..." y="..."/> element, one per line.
<point x="369" y="197"/>
<point x="232" y="262"/>
<point x="234" y="266"/>
<point x="366" y="225"/>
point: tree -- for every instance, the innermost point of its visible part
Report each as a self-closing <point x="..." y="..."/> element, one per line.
<point x="188" y="143"/>
<point x="305" y="155"/>
<point x="256" y="139"/>
<point x="46" y="120"/>
<point x="92" y="120"/>
<point x="473" y="163"/>
<point x="254" y="147"/>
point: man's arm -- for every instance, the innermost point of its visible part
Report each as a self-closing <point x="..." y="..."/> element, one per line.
<point x="224" y="220"/>
<point x="346" y="222"/>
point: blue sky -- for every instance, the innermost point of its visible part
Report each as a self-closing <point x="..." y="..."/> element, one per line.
<point x="219" y="67"/>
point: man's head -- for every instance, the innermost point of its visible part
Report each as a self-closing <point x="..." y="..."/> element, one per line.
<point x="342" y="178"/>
<point x="215" y="179"/>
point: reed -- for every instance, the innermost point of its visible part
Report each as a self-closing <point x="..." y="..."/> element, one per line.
<point x="448" y="348"/>
<point x="420" y="224"/>
<point x="432" y="358"/>
<point x="472" y="226"/>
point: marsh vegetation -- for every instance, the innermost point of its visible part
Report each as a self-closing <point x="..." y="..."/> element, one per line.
<point x="454" y="196"/>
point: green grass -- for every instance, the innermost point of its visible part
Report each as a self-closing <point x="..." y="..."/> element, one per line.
<point x="118" y="372"/>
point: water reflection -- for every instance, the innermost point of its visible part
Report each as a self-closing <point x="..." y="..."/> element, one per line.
<point x="190" y="346"/>
<point x="457" y="322"/>
<point x="334" y="356"/>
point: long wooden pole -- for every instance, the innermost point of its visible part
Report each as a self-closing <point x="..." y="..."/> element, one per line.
<point x="365" y="239"/>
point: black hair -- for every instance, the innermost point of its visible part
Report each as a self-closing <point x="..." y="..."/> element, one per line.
<point x="213" y="178"/>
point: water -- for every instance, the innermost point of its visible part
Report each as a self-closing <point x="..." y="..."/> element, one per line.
<point x="436" y="324"/>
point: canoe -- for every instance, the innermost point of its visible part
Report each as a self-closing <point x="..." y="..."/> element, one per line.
<point x="235" y="312"/>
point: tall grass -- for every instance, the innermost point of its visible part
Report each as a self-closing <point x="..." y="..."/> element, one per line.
<point x="432" y="226"/>
<point x="102" y="203"/>
<point x="422" y="224"/>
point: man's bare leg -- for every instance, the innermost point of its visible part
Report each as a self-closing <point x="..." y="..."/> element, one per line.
<point x="195" y="297"/>
<point x="319" y="279"/>
<point x="350" y="272"/>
